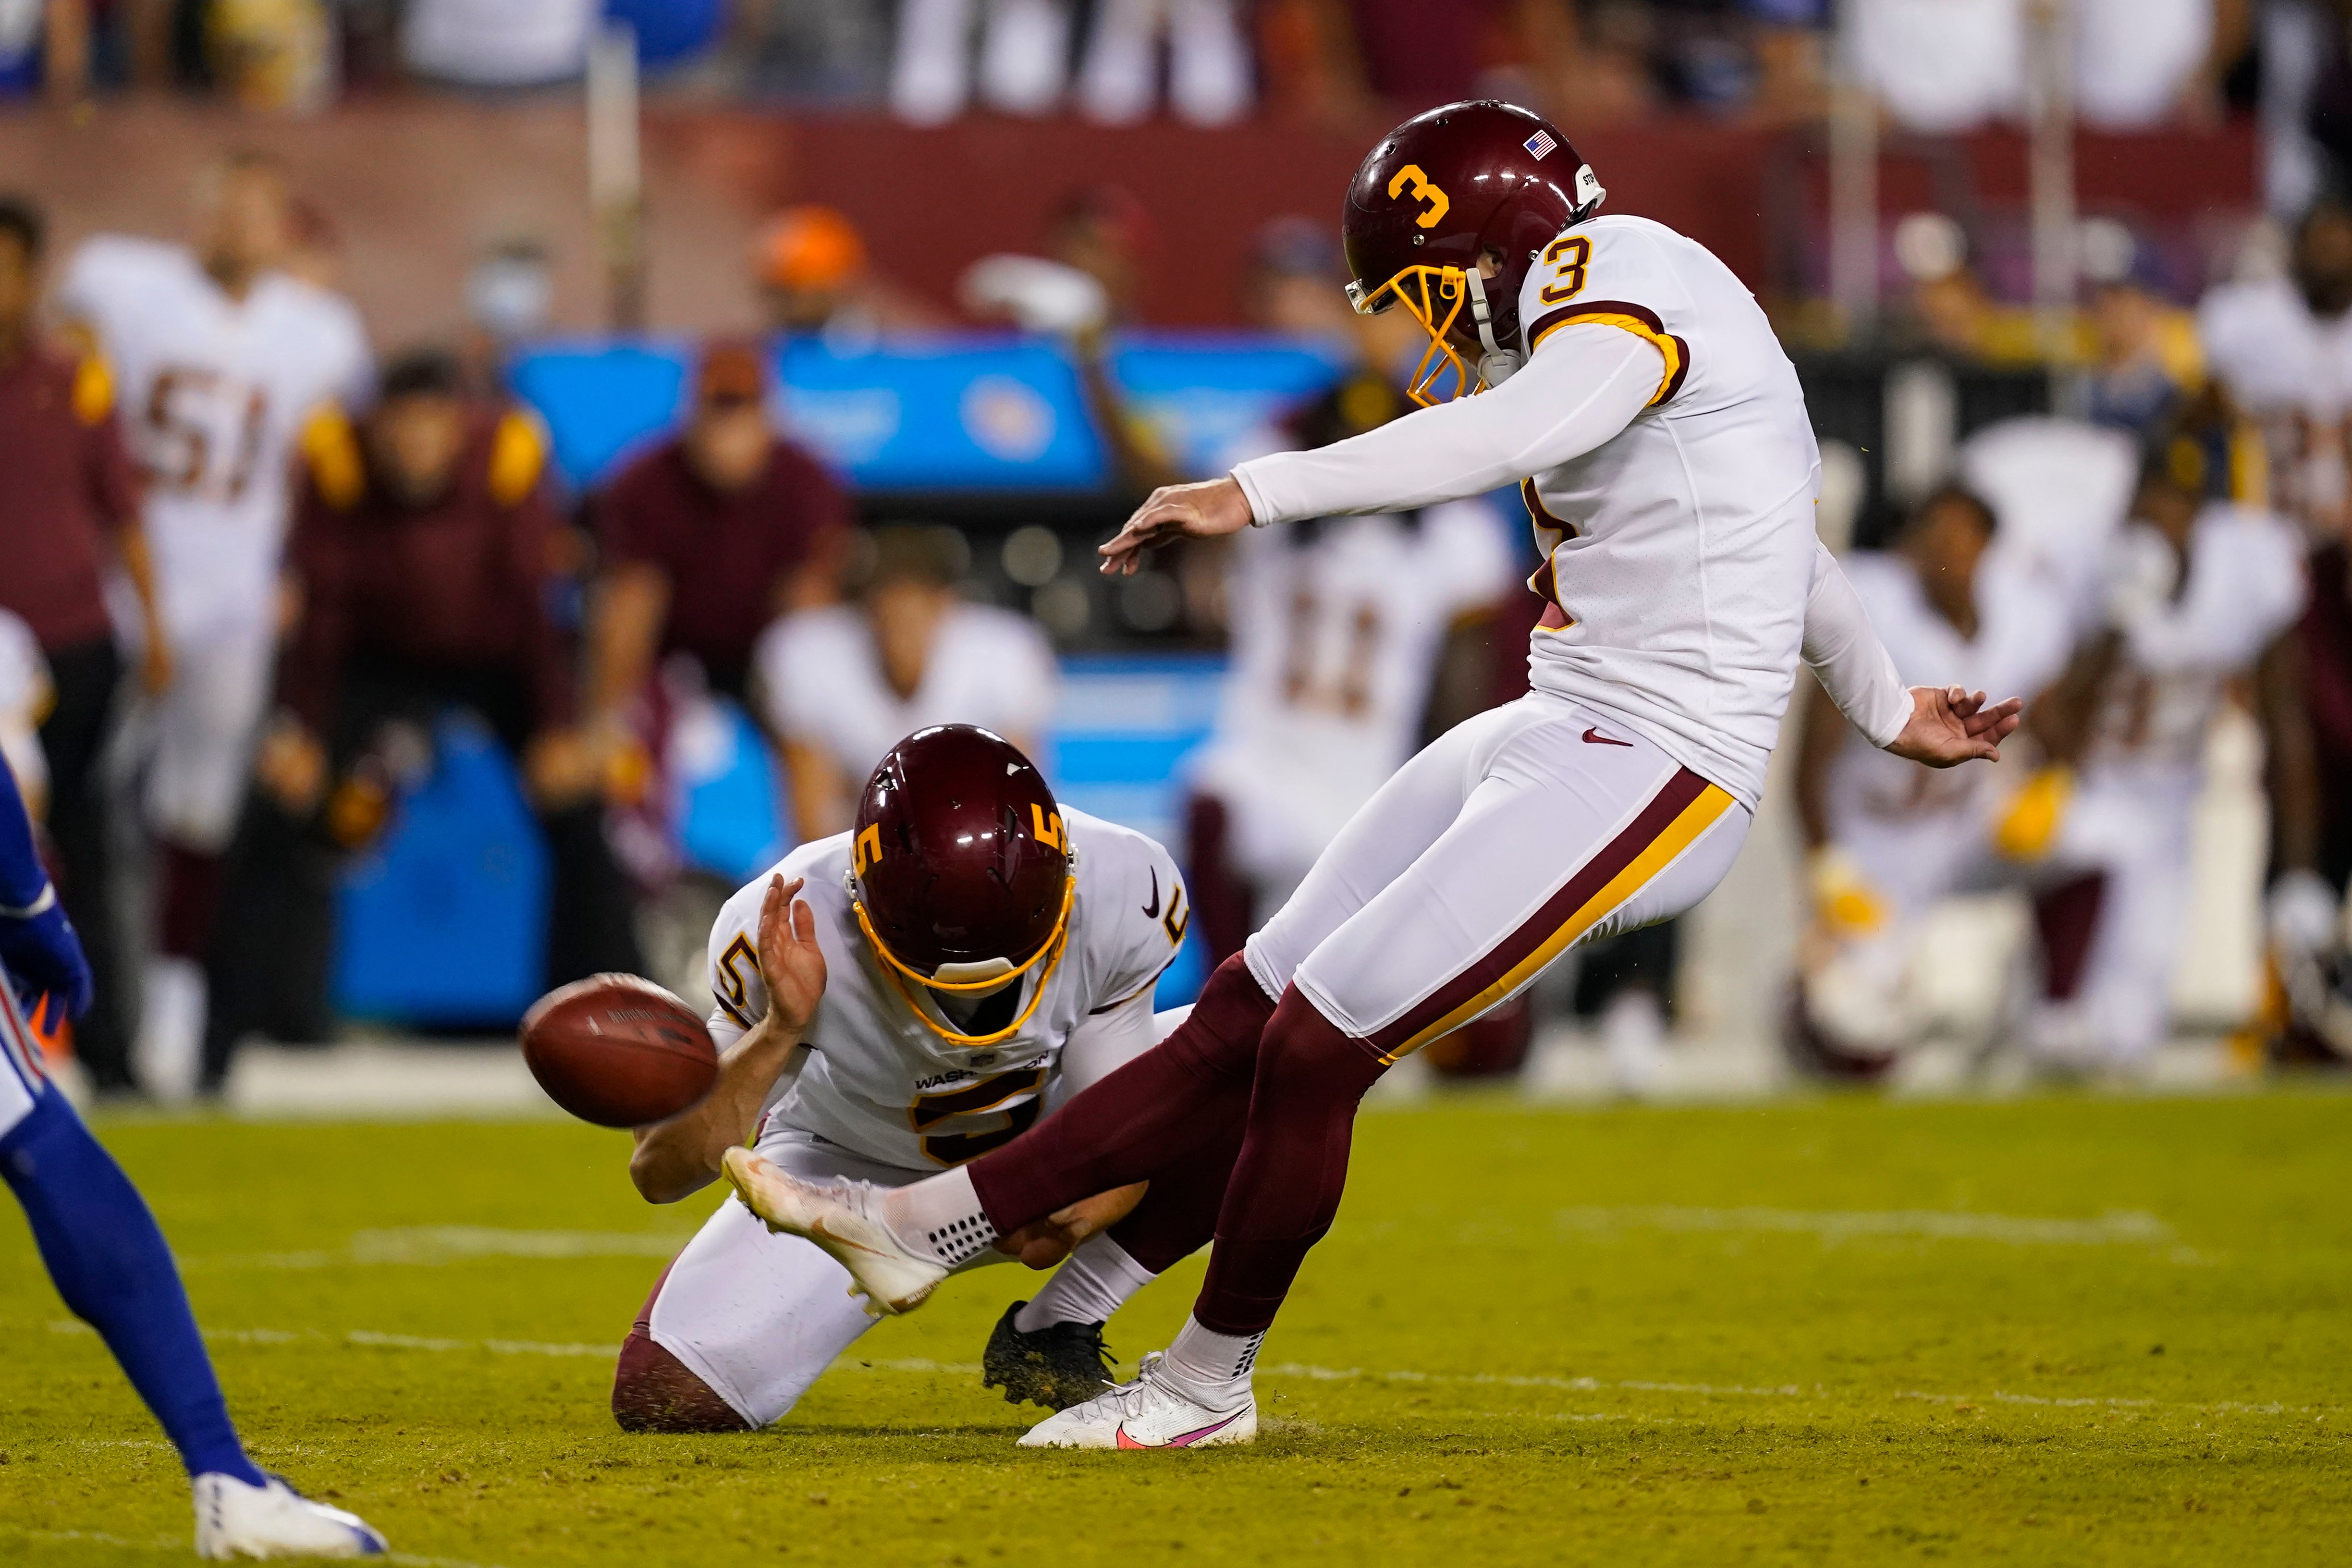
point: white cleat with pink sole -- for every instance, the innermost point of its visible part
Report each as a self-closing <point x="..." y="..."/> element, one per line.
<point x="1150" y="1413"/>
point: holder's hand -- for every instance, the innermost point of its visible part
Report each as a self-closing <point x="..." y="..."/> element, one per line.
<point x="1042" y="1244"/>
<point x="792" y="966"/>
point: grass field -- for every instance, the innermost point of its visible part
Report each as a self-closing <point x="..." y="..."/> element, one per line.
<point x="2062" y="1330"/>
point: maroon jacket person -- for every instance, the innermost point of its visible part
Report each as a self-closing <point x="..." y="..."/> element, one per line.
<point x="69" y="505"/>
<point x="709" y="537"/>
<point x="422" y="559"/>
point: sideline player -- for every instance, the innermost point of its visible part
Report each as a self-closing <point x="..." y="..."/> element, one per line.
<point x="1661" y="440"/>
<point x="1886" y="837"/>
<point x="2199" y="592"/>
<point x="2283" y="348"/>
<point x="893" y="1000"/>
<point x="103" y="1248"/>
<point x="221" y="359"/>
<point x="840" y="684"/>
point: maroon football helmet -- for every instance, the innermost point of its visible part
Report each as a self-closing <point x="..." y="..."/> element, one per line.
<point x="960" y="867"/>
<point x="1435" y="195"/>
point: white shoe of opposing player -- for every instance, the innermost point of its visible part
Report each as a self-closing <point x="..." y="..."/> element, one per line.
<point x="1149" y="1413"/>
<point x="273" y="1520"/>
<point x="842" y="1218"/>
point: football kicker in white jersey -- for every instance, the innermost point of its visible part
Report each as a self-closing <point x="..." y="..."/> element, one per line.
<point x="1637" y="391"/>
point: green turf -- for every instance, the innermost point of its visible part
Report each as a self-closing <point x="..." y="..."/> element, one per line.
<point x="1700" y="1336"/>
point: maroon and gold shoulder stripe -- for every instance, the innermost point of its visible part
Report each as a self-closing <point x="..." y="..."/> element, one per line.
<point x="1638" y="320"/>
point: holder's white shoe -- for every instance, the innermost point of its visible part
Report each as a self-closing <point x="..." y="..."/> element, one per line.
<point x="238" y="1519"/>
<point x="842" y="1218"/>
<point x="1149" y="1413"/>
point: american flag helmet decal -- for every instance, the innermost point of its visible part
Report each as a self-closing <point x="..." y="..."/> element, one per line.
<point x="1541" y="143"/>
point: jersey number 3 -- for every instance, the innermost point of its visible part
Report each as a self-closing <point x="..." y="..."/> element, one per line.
<point x="1567" y="258"/>
<point x="954" y="1148"/>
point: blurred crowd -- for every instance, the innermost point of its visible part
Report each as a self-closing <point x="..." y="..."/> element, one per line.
<point x="253" y="567"/>
<point x="255" y="560"/>
<point x="1938" y="65"/>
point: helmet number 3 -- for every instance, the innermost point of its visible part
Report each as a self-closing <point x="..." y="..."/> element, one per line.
<point x="1567" y="258"/>
<point x="1411" y="184"/>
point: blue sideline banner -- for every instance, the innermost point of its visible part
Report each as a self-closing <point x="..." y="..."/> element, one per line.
<point x="978" y="412"/>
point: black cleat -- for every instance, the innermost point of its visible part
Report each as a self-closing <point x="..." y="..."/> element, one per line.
<point x="1060" y="1365"/>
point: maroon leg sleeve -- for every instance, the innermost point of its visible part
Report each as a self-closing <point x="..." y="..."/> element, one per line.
<point x="1293" y="1165"/>
<point x="1223" y="902"/>
<point x="1178" y="1215"/>
<point x="192" y="894"/>
<point x="1151" y="1112"/>
<point x="2066" y="918"/>
<point x="653" y="1391"/>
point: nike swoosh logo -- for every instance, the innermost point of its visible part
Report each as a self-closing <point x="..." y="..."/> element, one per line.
<point x="1595" y="738"/>
<point x="816" y="1232"/>
<point x="1182" y="1439"/>
<point x="1152" y="910"/>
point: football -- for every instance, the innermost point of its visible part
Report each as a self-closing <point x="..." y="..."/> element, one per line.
<point x="618" y="1051"/>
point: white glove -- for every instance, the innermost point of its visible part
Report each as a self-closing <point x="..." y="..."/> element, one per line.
<point x="2141" y="571"/>
<point x="1039" y="295"/>
<point x="2304" y="914"/>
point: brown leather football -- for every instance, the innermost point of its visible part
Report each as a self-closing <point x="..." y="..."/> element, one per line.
<point x="618" y="1051"/>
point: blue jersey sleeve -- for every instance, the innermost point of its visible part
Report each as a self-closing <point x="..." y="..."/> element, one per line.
<point x="38" y="946"/>
<point x="22" y="877"/>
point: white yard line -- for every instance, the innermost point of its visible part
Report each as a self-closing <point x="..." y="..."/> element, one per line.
<point x="1500" y="1380"/>
<point x="439" y="1245"/>
<point x="366" y="1339"/>
<point x="495" y="1347"/>
<point x="2116" y="1229"/>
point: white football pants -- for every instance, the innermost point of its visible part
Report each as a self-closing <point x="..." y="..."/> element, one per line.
<point x="760" y="1316"/>
<point x="1509" y="840"/>
<point x="202" y="735"/>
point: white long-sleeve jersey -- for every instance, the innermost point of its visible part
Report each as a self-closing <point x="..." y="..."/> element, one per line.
<point x="1659" y="438"/>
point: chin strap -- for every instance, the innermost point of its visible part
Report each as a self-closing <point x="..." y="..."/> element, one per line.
<point x="1497" y="365"/>
<point x="1050" y="955"/>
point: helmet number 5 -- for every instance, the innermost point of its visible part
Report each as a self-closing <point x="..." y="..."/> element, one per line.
<point x="1411" y="183"/>
<point x="1567" y="258"/>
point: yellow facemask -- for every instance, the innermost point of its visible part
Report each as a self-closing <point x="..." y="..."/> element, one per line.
<point x="1424" y="292"/>
<point x="1050" y="955"/>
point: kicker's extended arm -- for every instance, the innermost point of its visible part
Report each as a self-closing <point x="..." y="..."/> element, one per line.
<point x="1846" y="657"/>
<point x="1587" y="383"/>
